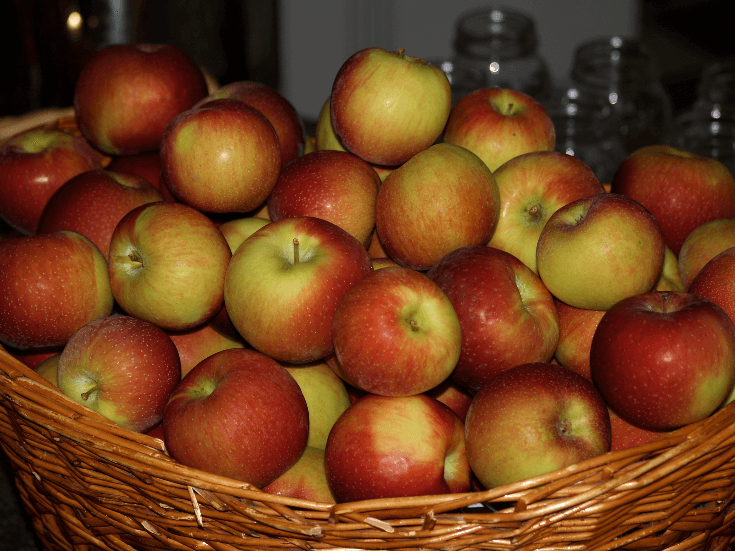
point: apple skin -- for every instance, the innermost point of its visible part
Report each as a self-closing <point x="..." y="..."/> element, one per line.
<point x="333" y="185"/>
<point x="199" y="343"/>
<point x="532" y="187"/>
<point x="307" y="479"/>
<point x="453" y="395"/>
<point x="284" y="308"/>
<point x="126" y="95"/>
<point x="670" y="278"/>
<point x="276" y="108"/>
<point x="267" y="417"/>
<point x="498" y="124"/>
<point x="507" y="315"/>
<point x="681" y="189"/>
<point x="386" y="106"/>
<point x="598" y="250"/>
<point x="205" y="149"/>
<point x="49" y="369"/>
<point x="442" y="199"/>
<point x="533" y="419"/>
<point x="626" y="435"/>
<point x="33" y="165"/>
<point x="716" y="281"/>
<point x="681" y="372"/>
<point x="167" y="265"/>
<point x="52" y="284"/>
<point x="387" y="446"/>
<point x="576" y="328"/>
<point x="396" y="333"/>
<point x="33" y="357"/>
<point x="93" y="202"/>
<point x="122" y="367"/>
<point x="238" y="230"/>
<point x="146" y="165"/>
<point x="702" y="244"/>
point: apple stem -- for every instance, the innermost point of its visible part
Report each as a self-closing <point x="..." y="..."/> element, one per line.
<point x="295" y="250"/>
<point x="87" y="394"/>
<point x="509" y="109"/>
<point x="400" y="51"/>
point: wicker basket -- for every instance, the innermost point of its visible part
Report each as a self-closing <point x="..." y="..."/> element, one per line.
<point x="89" y="484"/>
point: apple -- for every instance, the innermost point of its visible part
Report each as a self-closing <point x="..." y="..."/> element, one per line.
<point x="146" y="165"/>
<point x="33" y="165"/>
<point x="576" y="329"/>
<point x="532" y="187"/>
<point x="49" y="369"/>
<point x="384" y="262"/>
<point x="93" y="202"/>
<point x="391" y="446"/>
<point x="626" y="435"/>
<point x="307" y="479"/>
<point x="534" y="419"/>
<point x="716" y="281"/>
<point x="276" y="108"/>
<point x="598" y="250"/>
<point x="221" y="157"/>
<point x="386" y="106"/>
<point x="199" y="343"/>
<point x="453" y="395"/>
<point x="442" y="199"/>
<point x="238" y="414"/>
<point x="702" y="244"/>
<point x="663" y="360"/>
<point x="52" y="285"/>
<point x="375" y="248"/>
<point x="126" y="95"/>
<point x="167" y="265"/>
<point x="396" y="333"/>
<point x="334" y="185"/>
<point x="326" y="396"/>
<point x="498" y="124"/>
<point x="670" y="278"/>
<point x="239" y="229"/>
<point x="33" y="357"/>
<point x="122" y="367"/>
<point x="507" y="315"/>
<point x="283" y="284"/>
<point x="681" y="189"/>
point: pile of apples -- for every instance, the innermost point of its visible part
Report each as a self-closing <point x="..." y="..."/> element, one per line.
<point x="422" y="298"/>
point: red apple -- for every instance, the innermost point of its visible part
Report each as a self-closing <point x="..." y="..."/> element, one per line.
<point x="532" y="187"/>
<point x="146" y="165"/>
<point x="498" y="124"/>
<point x="167" y="265"/>
<point x="127" y="94"/>
<point x="33" y="357"/>
<point x="681" y="189"/>
<point x="507" y="315"/>
<point x="93" y="202"/>
<point x="716" y="281"/>
<point x="663" y="360"/>
<point x="33" y="165"/>
<point x="598" y="250"/>
<point x="222" y="157"/>
<point x="534" y="419"/>
<point x="52" y="285"/>
<point x="386" y="106"/>
<point x="386" y="446"/>
<point x="453" y="395"/>
<point x="626" y="435"/>
<point x="396" y="333"/>
<point x="121" y="367"/>
<point x="702" y="244"/>
<point x="199" y="343"/>
<point x="267" y="420"/>
<point x="307" y="479"/>
<point x="333" y="185"/>
<point x="284" y="282"/>
<point x="442" y="199"/>
<point x="576" y="328"/>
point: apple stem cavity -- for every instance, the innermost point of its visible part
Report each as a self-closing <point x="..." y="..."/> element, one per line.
<point x="565" y="427"/>
<point x="295" y="250"/>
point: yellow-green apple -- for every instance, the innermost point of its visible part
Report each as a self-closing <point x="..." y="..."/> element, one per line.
<point x="384" y="262"/>
<point x="626" y="435"/>
<point x="396" y="333"/>
<point x="307" y="479"/>
<point x="146" y="165"/>
<point x="663" y="360"/>
<point x="387" y="106"/>
<point x="222" y="157"/>
<point x="326" y="396"/>
<point x="126" y="95"/>
<point x="453" y="395"/>
<point x="122" y="367"/>
<point x="93" y="202"/>
<point x="498" y="124"/>
<point x="33" y="165"/>
<point x="334" y="185"/>
<point x="49" y="369"/>
<point x="167" y="265"/>
<point x="598" y="250"/>
<point x="716" y="281"/>
<point x="199" y="343"/>
<point x="702" y="244"/>
<point x="283" y="284"/>
<point x="52" y="284"/>
<point x="238" y="414"/>
<point x="576" y="328"/>
<point x="276" y="108"/>
<point x="670" y="278"/>
<point x="506" y="314"/>
<point x="239" y="229"/>
<point x="681" y="189"/>
<point x="391" y="446"/>
<point x="442" y="199"/>
<point x="532" y="187"/>
<point x="534" y="419"/>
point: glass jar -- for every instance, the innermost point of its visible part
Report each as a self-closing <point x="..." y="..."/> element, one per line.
<point x="620" y="76"/>
<point x="502" y="45"/>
